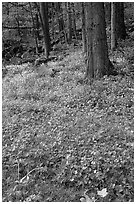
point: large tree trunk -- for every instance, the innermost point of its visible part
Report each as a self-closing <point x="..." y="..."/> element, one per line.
<point x="45" y="27"/>
<point x="107" y="6"/>
<point x="98" y="63"/>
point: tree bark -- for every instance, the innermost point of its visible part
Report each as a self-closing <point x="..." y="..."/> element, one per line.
<point x="45" y="27"/>
<point x="98" y="63"/>
<point x="107" y="6"/>
<point x="120" y="25"/>
<point x="113" y="27"/>
<point x="34" y="30"/>
<point x="37" y="24"/>
<point x="60" y="16"/>
<point x="118" y="29"/>
<point x="73" y="20"/>
<point x="69" y="22"/>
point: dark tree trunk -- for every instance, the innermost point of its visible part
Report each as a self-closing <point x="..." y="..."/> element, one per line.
<point x="73" y="20"/>
<point x="45" y="27"/>
<point x="98" y="63"/>
<point x="65" y="16"/>
<point x="37" y="24"/>
<point x="120" y="25"/>
<point x="118" y="29"/>
<point x="60" y="16"/>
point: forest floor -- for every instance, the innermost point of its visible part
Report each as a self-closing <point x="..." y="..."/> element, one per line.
<point x="65" y="140"/>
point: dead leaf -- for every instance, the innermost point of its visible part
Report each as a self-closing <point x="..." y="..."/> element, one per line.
<point x="103" y="192"/>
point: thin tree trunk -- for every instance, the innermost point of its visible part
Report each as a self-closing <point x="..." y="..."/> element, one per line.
<point x="69" y="22"/>
<point x="45" y="24"/>
<point x="60" y="16"/>
<point x="89" y="35"/>
<point x="73" y="20"/>
<point x="34" y="31"/>
<point x="84" y="40"/>
<point x="37" y="26"/>
<point x="65" y="19"/>
<point x="53" y="23"/>
<point x="113" y="26"/>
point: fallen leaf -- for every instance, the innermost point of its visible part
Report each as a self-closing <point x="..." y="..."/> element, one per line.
<point x="103" y="192"/>
<point x="86" y="198"/>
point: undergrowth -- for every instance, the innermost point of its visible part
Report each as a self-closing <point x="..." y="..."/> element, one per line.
<point x="64" y="140"/>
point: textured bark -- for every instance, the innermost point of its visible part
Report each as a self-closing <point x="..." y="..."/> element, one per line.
<point x="98" y="63"/>
<point x="45" y="27"/>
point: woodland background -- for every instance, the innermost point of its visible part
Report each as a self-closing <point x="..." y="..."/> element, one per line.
<point x="68" y="133"/>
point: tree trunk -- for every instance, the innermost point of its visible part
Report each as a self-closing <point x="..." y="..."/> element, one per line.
<point x="64" y="11"/>
<point x="37" y="23"/>
<point x="120" y="25"/>
<point x="69" y="22"/>
<point x="107" y="6"/>
<point x="84" y="40"/>
<point x="118" y="29"/>
<point x="45" y="27"/>
<point x="98" y="63"/>
<point x="34" y="30"/>
<point x="73" y="20"/>
<point x="60" y="16"/>
<point x="113" y="27"/>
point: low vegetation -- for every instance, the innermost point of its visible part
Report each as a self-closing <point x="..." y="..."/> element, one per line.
<point x="64" y="139"/>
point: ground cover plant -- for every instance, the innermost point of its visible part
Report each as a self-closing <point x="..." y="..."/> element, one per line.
<point x="64" y="139"/>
